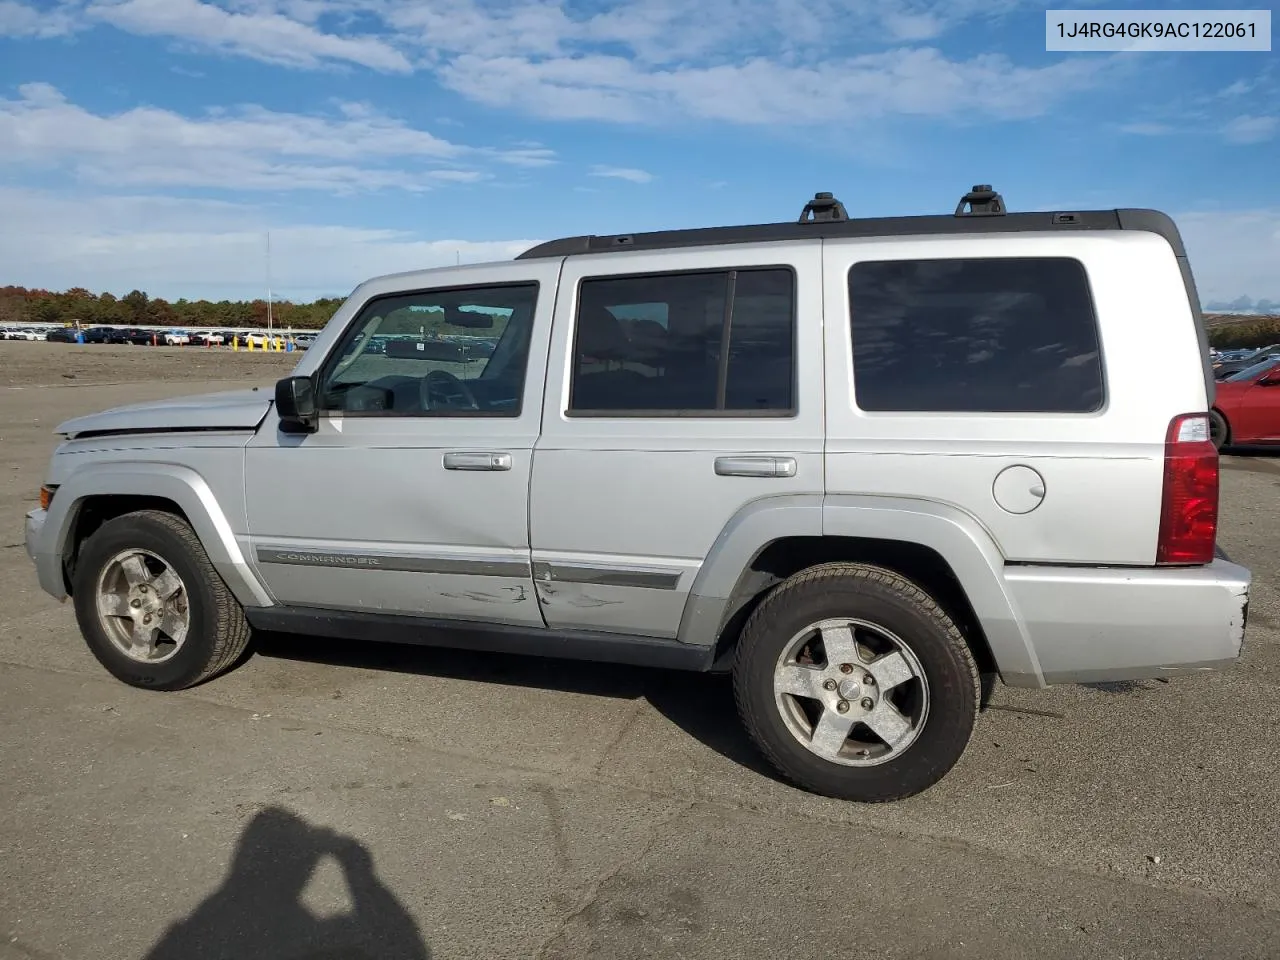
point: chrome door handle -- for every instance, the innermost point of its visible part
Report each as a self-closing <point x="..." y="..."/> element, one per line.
<point x="477" y="461"/>
<point x="756" y="466"/>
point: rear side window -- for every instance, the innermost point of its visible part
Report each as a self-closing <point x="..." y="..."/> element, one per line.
<point x="992" y="335"/>
<point x="691" y="344"/>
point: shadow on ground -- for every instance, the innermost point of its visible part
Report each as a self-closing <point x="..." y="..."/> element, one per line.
<point x="699" y="704"/>
<point x="258" y="913"/>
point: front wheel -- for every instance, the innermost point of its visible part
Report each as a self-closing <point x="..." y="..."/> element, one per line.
<point x="855" y="684"/>
<point x="150" y="605"/>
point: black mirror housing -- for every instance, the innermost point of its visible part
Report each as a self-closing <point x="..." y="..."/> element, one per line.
<point x="296" y="405"/>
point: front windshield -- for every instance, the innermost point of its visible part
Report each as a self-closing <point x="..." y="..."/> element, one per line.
<point x="1253" y="372"/>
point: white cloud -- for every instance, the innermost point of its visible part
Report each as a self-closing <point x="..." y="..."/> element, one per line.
<point x="19" y="20"/>
<point x="623" y="173"/>
<point x="914" y="82"/>
<point x="260" y="34"/>
<point x="1249" y="129"/>
<point x="249" y="148"/>
<point x="741" y="61"/>
<point x="192" y="248"/>
<point x="1233" y="253"/>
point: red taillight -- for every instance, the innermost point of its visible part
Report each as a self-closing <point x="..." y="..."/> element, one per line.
<point x="1189" y="504"/>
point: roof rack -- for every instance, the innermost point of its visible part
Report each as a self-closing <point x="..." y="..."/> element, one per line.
<point x="981" y="210"/>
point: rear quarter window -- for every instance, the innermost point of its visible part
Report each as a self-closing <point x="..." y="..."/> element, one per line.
<point x="981" y="335"/>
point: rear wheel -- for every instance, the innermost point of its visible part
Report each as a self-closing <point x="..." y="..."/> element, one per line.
<point x="855" y="684"/>
<point x="1219" y="429"/>
<point x="150" y="605"/>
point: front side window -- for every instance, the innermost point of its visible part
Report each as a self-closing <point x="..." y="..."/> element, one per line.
<point x="685" y="343"/>
<point x="992" y="335"/>
<point x="454" y="352"/>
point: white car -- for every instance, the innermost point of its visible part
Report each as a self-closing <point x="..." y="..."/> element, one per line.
<point x="206" y="337"/>
<point x="263" y="341"/>
<point x="176" y="338"/>
<point x="24" y="334"/>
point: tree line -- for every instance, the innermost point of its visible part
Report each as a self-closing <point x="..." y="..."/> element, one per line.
<point x="1263" y="332"/>
<point x="23" y="305"/>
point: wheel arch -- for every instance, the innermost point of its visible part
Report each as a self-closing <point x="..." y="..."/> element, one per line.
<point x="940" y="547"/>
<point x="96" y="494"/>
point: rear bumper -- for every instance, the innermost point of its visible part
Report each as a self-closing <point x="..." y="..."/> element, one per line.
<point x="1088" y="625"/>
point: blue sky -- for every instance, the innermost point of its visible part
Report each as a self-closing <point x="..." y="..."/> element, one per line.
<point x="154" y="143"/>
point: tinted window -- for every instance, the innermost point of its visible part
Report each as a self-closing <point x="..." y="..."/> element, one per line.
<point x="685" y="343"/>
<point x="989" y="335"/>
<point x="456" y="352"/>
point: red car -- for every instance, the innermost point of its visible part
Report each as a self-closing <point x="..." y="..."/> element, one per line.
<point x="1247" y="408"/>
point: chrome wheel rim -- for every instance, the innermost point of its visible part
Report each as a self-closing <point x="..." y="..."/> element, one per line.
<point x="143" y="606"/>
<point x="851" y="692"/>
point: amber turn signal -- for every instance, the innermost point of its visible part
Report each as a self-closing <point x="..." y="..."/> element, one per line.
<point x="46" y="497"/>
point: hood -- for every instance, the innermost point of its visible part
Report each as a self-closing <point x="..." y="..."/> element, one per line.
<point x="229" y="410"/>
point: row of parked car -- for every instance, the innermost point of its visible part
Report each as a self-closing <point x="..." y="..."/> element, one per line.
<point x="140" y="336"/>
<point x="1229" y="362"/>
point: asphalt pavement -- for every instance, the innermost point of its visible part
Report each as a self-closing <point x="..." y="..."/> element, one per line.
<point x="332" y="799"/>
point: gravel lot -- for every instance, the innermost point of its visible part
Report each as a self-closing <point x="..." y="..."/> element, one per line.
<point x="459" y="805"/>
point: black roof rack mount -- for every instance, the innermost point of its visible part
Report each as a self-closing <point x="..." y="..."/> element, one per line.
<point x="982" y="201"/>
<point x="823" y="208"/>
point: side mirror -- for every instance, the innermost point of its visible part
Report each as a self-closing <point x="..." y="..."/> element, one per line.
<point x="296" y="405"/>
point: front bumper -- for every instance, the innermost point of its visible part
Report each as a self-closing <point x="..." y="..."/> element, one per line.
<point x="1090" y="625"/>
<point x="44" y="555"/>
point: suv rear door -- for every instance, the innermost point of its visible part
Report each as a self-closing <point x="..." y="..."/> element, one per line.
<point x="654" y="435"/>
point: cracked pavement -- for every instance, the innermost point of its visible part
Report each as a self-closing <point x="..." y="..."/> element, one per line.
<point x="332" y="799"/>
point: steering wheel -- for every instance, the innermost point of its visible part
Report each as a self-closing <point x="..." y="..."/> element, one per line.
<point x="440" y="389"/>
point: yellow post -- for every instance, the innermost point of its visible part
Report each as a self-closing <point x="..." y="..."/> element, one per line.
<point x="235" y="343"/>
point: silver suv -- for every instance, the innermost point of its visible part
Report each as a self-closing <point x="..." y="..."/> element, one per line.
<point x="863" y="464"/>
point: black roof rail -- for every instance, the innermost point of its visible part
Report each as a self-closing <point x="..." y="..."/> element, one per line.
<point x="825" y="217"/>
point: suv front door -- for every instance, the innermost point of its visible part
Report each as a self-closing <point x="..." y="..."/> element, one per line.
<point x="412" y="495"/>
<point x="683" y="389"/>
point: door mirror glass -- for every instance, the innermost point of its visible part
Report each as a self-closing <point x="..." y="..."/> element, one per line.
<point x="296" y="405"/>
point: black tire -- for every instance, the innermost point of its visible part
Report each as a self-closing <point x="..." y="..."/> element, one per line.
<point x="879" y="596"/>
<point x="1219" y="429"/>
<point x="218" y="633"/>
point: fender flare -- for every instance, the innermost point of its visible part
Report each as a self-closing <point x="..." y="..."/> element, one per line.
<point x="168" y="481"/>
<point x="956" y="536"/>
